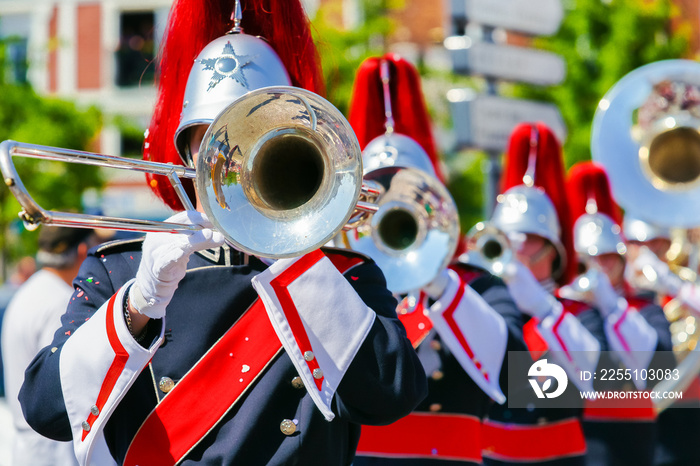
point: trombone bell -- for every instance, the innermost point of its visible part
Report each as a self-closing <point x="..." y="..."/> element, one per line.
<point x="279" y="172"/>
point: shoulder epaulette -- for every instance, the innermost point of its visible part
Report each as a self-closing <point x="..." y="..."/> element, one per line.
<point x="120" y="245"/>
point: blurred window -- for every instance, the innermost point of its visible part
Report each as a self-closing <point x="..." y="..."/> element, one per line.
<point x="136" y="49"/>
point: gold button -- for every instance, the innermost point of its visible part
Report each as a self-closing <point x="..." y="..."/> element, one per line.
<point x="166" y="384"/>
<point x="54" y="349"/>
<point x="297" y="382"/>
<point x="435" y="407"/>
<point x="288" y="427"/>
<point x="309" y="355"/>
<point x="437" y="375"/>
<point x="318" y="374"/>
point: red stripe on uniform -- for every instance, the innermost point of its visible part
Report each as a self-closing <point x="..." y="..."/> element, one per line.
<point x="617" y="326"/>
<point x="558" y="439"/>
<point x="115" y="369"/>
<point x="280" y="285"/>
<point x="448" y="315"/>
<point x="424" y="435"/>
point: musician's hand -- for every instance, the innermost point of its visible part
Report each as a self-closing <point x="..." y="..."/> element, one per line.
<point x="649" y="272"/>
<point x="527" y="292"/>
<point x="164" y="262"/>
<point x="605" y="297"/>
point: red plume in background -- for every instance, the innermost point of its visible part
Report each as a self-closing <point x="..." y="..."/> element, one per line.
<point x="548" y="175"/>
<point x="366" y="114"/>
<point x="586" y="182"/>
<point x="192" y="24"/>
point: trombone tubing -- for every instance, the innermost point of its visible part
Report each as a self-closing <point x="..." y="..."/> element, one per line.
<point x="32" y="213"/>
<point x="13" y="148"/>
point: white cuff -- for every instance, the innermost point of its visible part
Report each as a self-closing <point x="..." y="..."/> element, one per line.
<point x="475" y="334"/>
<point x="318" y="317"/>
<point x="98" y="364"/>
<point x="632" y="339"/>
<point x="572" y="345"/>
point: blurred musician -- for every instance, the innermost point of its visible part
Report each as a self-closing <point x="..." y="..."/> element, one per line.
<point x="532" y="211"/>
<point x="617" y="432"/>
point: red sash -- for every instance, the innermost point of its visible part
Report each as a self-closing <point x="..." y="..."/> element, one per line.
<point x="529" y="442"/>
<point x="212" y="386"/>
<point x="617" y="410"/>
<point x="425" y="435"/>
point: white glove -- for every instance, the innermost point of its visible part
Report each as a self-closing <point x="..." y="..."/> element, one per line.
<point x="648" y="271"/>
<point x="527" y="292"/>
<point x="606" y="298"/>
<point x="164" y="262"/>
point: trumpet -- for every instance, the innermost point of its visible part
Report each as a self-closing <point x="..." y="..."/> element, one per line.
<point x="279" y="173"/>
<point x="488" y="247"/>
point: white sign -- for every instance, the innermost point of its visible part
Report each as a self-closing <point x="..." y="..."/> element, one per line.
<point x="486" y="121"/>
<point x="535" y="17"/>
<point x="505" y="61"/>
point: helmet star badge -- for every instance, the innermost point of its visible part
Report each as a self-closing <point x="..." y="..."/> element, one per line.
<point x="228" y="64"/>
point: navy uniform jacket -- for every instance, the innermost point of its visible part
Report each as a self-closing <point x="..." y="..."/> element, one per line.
<point x="619" y="438"/>
<point x="384" y="381"/>
<point x="450" y="389"/>
<point x="592" y="321"/>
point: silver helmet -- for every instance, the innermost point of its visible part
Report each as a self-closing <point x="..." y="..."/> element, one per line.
<point x="636" y="229"/>
<point x="596" y="234"/>
<point x="396" y="150"/>
<point x="226" y="69"/>
<point x="526" y="209"/>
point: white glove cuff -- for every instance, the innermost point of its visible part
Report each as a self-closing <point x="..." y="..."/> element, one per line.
<point x="148" y="308"/>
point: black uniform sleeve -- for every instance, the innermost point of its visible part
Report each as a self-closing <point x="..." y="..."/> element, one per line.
<point x="495" y="293"/>
<point x="386" y="380"/>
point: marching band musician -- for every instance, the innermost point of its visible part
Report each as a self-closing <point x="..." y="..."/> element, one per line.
<point x="532" y="212"/>
<point x="617" y="432"/>
<point x="679" y="425"/>
<point x="179" y="349"/>
<point x="461" y="323"/>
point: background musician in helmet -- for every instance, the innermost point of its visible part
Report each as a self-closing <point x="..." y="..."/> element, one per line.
<point x="532" y="211"/>
<point x="179" y="349"/>
<point x="617" y="432"/>
<point x="678" y="426"/>
<point x="460" y="319"/>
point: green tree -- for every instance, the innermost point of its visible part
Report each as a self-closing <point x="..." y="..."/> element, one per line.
<point x="601" y="41"/>
<point x="342" y="50"/>
<point x="28" y="117"/>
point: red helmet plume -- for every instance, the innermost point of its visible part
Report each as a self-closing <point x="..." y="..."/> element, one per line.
<point x="587" y="185"/>
<point x="367" y="115"/>
<point x="192" y="24"/>
<point x="535" y="152"/>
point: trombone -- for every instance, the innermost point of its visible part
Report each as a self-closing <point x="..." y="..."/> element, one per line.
<point x="279" y="173"/>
